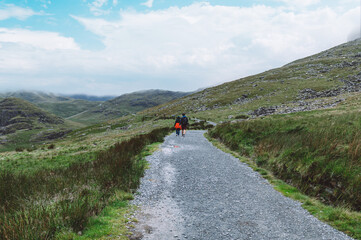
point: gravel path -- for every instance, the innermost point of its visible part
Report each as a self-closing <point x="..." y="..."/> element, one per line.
<point x="195" y="191"/>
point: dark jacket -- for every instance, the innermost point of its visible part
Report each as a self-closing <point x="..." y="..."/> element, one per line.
<point x="184" y="121"/>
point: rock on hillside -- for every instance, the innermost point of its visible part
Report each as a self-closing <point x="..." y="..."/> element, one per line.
<point x="17" y="114"/>
<point x="319" y="81"/>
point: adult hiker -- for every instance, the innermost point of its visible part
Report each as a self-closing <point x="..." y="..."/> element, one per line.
<point x="184" y="124"/>
<point x="177" y="125"/>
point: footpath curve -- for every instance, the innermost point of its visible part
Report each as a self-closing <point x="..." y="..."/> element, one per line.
<point x="193" y="190"/>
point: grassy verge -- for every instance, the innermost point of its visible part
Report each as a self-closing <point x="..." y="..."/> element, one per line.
<point x="112" y="223"/>
<point x="317" y="152"/>
<point x="45" y="203"/>
<point x="116" y="218"/>
<point x="341" y="218"/>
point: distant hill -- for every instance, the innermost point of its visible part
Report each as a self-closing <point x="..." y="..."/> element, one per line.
<point x="34" y="97"/>
<point x="316" y="82"/>
<point x="22" y="123"/>
<point x="90" y="97"/>
<point x="127" y="104"/>
<point x="61" y="106"/>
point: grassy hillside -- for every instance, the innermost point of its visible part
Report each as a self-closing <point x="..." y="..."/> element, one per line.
<point x="68" y="108"/>
<point x="22" y="124"/>
<point x="126" y="104"/>
<point x="59" y="105"/>
<point x="319" y="81"/>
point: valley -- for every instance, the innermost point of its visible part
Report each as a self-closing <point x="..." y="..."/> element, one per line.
<point x="298" y="125"/>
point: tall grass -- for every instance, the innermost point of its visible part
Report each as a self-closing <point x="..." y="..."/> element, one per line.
<point x="39" y="205"/>
<point x="321" y="155"/>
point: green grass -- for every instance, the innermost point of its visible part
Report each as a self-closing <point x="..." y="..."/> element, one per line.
<point x="115" y="220"/>
<point x="44" y="203"/>
<point x="112" y="223"/>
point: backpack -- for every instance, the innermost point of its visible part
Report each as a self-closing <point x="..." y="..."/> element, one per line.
<point x="184" y="121"/>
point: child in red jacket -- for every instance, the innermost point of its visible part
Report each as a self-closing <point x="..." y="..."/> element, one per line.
<point x="177" y="125"/>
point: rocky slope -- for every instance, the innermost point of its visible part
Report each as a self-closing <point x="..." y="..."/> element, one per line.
<point x="22" y="123"/>
<point x="17" y="114"/>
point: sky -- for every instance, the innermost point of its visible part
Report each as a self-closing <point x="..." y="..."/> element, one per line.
<point x="112" y="47"/>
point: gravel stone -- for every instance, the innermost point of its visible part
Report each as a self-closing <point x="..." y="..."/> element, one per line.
<point x="193" y="190"/>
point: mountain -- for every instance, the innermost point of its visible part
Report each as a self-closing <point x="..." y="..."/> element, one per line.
<point x="61" y="106"/>
<point x="22" y="123"/>
<point x="319" y="81"/>
<point x="126" y="104"/>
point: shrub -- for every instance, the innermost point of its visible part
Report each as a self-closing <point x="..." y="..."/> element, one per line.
<point x="51" y="146"/>
<point x="19" y="149"/>
<point x="242" y="116"/>
<point x="201" y="125"/>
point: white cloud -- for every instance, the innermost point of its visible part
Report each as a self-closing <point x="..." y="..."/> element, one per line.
<point x="12" y="11"/>
<point x="115" y="2"/>
<point x="99" y="3"/>
<point x="300" y="3"/>
<point x="148" y="3"/>
<point x="37" y="39"/>
<point x="96" y="7"/>
<point x="198" y="45"/>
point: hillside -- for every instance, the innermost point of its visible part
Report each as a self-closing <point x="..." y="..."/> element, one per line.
<point x="319" y="81"/>
<point x="22" y="123"/>
<point x="126" y="104"/>
<point x="61" y="106"/>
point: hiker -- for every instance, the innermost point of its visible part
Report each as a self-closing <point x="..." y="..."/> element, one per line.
<point x="184" y="124"/>
<point x="177" y="125"/>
